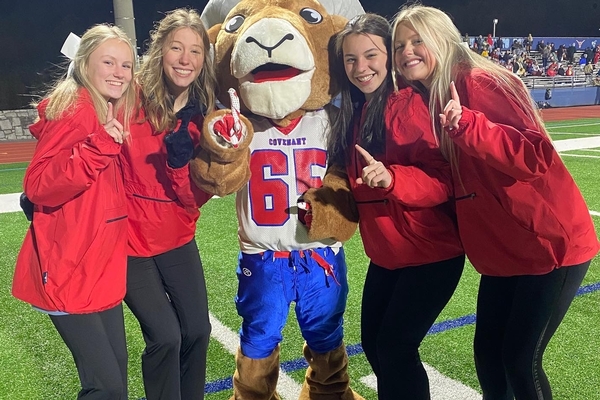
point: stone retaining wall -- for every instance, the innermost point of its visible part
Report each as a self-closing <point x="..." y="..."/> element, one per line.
<point x="14" y="124"/>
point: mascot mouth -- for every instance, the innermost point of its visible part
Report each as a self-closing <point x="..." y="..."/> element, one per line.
<point x="274" y="72"/>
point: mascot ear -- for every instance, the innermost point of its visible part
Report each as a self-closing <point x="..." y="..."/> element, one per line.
<point x="212" y="38"/>
<point x="213" y="32"/>
<point x="339" y="22"/>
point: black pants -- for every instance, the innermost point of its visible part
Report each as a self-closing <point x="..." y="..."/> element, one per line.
<point x="167" y="294"/>
<point x="97" y="342"/>
<point x="516" y="318"/>
<point x="398" y="308"/>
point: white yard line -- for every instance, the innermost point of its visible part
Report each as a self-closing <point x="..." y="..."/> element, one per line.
<point x="441" y="387"/>
<point x="9" y="202"/>
<point x="572" y="133"/>
<point x="577" y="144"/>
<point x="595" y="213"/>
<point x="287" y="387"/>
<point x="578" y="155"/>
<point x="571" y="126"/>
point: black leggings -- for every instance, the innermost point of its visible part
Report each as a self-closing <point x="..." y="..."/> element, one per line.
<point x="97" y="342"/>
<point x="398" y="308"/>
<point x="516" y="318"/>
<point x="167" y="294"/>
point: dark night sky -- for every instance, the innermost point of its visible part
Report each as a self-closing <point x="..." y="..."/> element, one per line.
<point x="32" y="31"/>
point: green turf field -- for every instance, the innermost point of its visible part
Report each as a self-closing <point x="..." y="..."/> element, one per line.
<point x="37" y="365"/>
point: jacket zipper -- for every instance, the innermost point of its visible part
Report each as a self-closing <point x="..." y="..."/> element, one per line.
<point x="108" y="221"/>
<point x="468" y="196"/>
<point x="384" y="201"/>
<point x="152" y="198"/>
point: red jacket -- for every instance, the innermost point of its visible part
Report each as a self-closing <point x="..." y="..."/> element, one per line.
<point x="162" y="202"/>
<point x="519" y="210"/>
<point x="411" y="222"/>
<point x="73" y="258"/>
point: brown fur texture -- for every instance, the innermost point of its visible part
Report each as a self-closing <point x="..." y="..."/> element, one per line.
<point x="318" y="40"/>
<point x="256" y="379"/>
<point x="327" y="376"/>
<point x="218" y="168"/>
<point x="334" y="212"/>
<point x="208" y="171"/>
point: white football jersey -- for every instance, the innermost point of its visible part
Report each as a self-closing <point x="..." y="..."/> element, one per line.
<point x="283" y="167"/>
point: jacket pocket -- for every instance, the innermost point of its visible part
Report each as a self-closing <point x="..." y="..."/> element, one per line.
<point x="99" y="272"/>
<point x="497" y="241"/>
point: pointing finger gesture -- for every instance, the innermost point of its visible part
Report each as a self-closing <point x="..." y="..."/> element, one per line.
<point x="453" y="111"/>
<point x="365" y="155"/>
<point x="109" y="112"/>
<point x="375" y="174"/>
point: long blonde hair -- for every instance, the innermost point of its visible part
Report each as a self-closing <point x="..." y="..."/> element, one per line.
<point x="454" y="59"/>
<point x="157" y="102"/>
<point x="64" y="93"/>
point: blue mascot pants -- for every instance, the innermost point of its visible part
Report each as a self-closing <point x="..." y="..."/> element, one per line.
<point x="268" y="282"/>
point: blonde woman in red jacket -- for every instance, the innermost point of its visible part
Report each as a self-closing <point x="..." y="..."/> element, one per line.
<point x="402" y="185"/>
<point x="72" y="265"/>
<point x="166" y="290"/>
<point x="522" y="220"/>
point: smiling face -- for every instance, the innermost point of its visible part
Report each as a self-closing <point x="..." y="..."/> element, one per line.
<point x="412" y="58"/>
<point x="110" y="68"/>
<point x="183" y="59"/>
<point x="365" y="61"/>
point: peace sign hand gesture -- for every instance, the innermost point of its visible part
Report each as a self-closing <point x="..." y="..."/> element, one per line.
<point x="375" y="174"/>
<point x="453" y="111"/>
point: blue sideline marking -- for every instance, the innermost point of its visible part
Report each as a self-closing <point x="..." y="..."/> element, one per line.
<point x="354" y="349"/>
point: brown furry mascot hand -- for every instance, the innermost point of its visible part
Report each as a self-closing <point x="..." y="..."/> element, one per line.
<point x="221" y="165"/>
<point x="332" y="210"/>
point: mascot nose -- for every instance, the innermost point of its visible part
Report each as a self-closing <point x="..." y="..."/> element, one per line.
<point x="270" y="49"/>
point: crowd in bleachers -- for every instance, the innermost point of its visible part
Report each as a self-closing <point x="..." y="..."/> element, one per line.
<point x="527" y="59"/>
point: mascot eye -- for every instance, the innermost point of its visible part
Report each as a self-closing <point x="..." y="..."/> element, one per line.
<point x="311" y="16"/>
<point x="234" y="23"/>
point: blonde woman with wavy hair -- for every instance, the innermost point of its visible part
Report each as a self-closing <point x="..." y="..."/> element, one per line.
<point x="72" y="265"/>
<point x="159" y="100"/>
<point x="522" y="220"/>
<point x="166" y="290"/>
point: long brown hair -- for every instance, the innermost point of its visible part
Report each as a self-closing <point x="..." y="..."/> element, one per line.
<point x="157" y="102"/>
<point x="372" y="133"/>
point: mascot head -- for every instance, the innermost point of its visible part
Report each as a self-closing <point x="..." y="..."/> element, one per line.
<point x="275" y="54"/>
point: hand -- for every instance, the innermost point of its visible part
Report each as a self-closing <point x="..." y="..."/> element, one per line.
<point x="304" y="212"/>
<point x="375" y="174"/>
<point x="229" y="128"/>
<point x="453" y="111"/>
<point x="114" y="127"/>
<point x="225" y="128"/>
<point x="180" y="148"/>
<point x="26" y="206"/>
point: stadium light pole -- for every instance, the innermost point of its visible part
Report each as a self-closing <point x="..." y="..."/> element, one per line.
<point x="125" y="20"/>
<point x="495" y="21"/>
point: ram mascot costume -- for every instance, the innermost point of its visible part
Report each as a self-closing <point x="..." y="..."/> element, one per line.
<point x="293" y="212"/>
